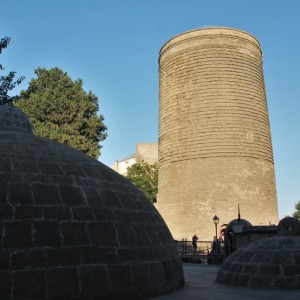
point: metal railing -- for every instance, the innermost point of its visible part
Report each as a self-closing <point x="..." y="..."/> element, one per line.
<point x="203" y="253"/>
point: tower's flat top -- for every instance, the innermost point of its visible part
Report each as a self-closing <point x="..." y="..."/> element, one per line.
<point x="210" y="31"/>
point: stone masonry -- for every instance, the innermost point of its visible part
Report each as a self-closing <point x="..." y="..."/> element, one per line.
<point x="215" y="148"/>
<point x="72" y="228"/>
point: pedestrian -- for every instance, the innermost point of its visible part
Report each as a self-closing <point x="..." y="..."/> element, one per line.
<point x="194" y="241"/>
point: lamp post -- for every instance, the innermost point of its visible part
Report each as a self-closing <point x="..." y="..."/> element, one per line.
<point x="216" y="222"/>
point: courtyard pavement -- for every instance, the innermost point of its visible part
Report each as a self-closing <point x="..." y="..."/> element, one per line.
<point x="200" y="284"/>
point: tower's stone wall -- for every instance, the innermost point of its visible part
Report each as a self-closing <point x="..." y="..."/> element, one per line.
<point x="215" y="148"/>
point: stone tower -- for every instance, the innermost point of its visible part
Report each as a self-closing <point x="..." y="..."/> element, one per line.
<point x="215" y="148"/>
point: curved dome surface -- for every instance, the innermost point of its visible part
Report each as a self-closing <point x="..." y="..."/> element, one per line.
<point x="71" y="228"/>
<point x="237" y="225"/>
<point x="268" y="263"/>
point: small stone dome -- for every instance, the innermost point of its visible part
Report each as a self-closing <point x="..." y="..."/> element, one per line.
<point x="289" y="226"/>
<point x="13" y="119"/>
<point x="237" y="225"/>
<point x="268" y="263"/>
<point x="72" y="228"/>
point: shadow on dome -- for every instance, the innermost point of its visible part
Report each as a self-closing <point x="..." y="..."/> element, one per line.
<point x="72" y="227"/>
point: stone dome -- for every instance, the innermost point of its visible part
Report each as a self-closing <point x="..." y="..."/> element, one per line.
<point x="272" y="262"/>
<point x="237" y="225"/>
<point x="72" y="228"/>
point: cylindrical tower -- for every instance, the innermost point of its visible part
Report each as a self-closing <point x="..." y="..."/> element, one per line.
<point x="215" y="148"/>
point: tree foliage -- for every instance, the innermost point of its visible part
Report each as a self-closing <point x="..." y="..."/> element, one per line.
<point x="145" y="177"/>
<point x="7" y="82"/>
<point x="61" y="110"/>
<point x="296" y="214"/>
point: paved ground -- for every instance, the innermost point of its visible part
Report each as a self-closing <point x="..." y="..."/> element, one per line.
<point x="200" y="284"/>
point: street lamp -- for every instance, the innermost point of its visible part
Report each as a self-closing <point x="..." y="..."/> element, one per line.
<point x="216" y="222"/>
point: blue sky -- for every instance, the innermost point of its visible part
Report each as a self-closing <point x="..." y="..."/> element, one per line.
<point x="113" y="46"/>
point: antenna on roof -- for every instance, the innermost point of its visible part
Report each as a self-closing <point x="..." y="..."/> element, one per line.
<point x="239" y="214"/>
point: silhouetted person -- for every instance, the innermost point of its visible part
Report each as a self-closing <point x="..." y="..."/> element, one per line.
<point x="194" y="242"/>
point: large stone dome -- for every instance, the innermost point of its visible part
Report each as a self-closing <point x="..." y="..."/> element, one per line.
<point x="71" y="228"/>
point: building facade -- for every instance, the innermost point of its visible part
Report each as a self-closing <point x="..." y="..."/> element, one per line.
<point x="215" y="148"/>
<point x="147" y="152"/>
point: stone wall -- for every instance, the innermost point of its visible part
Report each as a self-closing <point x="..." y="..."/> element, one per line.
<point x="215" y="148"/>
<point x="147" y="152"/>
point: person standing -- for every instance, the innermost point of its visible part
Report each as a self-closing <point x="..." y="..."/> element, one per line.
<point x="194" y="242"/>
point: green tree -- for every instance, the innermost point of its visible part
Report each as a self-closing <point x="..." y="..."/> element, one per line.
<point x="7" y="82"/>
<point x="145" y="177"/>
<point x="61" y="110"/>
<point x="296" y="214"/>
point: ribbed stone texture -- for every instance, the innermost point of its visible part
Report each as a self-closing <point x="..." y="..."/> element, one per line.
<point x="71" y="228"/>
<point x="269" y="263"/>
<point x="215" y="149"/>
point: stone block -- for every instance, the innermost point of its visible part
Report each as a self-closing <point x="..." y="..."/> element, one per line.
<point x="145" y="253"/>
<point x="152" y="234"/>
<point x="288" y="282"/>
<point x="120" y="277"/>
<point x="29" y="284"/>
<point x="74" y="233"/>
<point x="93" y="279"/>
<point x="269" y="270"/>
<point x="141" y="235"/>
<point x="4" y="261"/>
<point x="263" y="257"/>
<point x="19" y="193"/>
<point x="125" y="235"/>
<point x="92" y="197"/>
<point x="28" y="259"/>
<point x="63" y="256"/>
<point x="260" y="281"/>
<point x="110" y="199"/>
<point x="227" y="277"/>
<point x="123" y="215"/>
<point x="5" y="165"/>
<point x="57" y="213"/>
<point x="156" y="273"/>
<point x="177" y="268"/>
<point x="291" y="269"/>
<point x="45" y="194"/>
<point x="47" y="234"/>
<point x="296" y="257"/>
<point x="167" y="270"/>
<point x="141" y="275"/>
<point x="28" y="212"/>
<point x="281" y="257"/>
<point x="241" y="279"/>
<point x="129" y="254"/>
<point x="98" y="255"/>
<point x="250" y="268"/>
<point x="82" y="213"/>
<point x="3" y="192"/>
<point x="72" y="195"/>
<point x="50" y="167"/>
<point x="63" y="283"/>
<point x="25" y="166"/>
<point x="5" y="286"/>
<point x="102" y="234"/>
<point x="72" y="169"/>
<point x="103" y="214"/>
<point x="17" y="235"/>
<point x="6" y="211"/>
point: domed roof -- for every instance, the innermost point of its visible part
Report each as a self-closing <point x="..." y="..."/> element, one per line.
<point x="237" y="225"/>
<point x="13" y="119"/>
<point x="73" y="228"/>
<point x="268" y="263"/>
